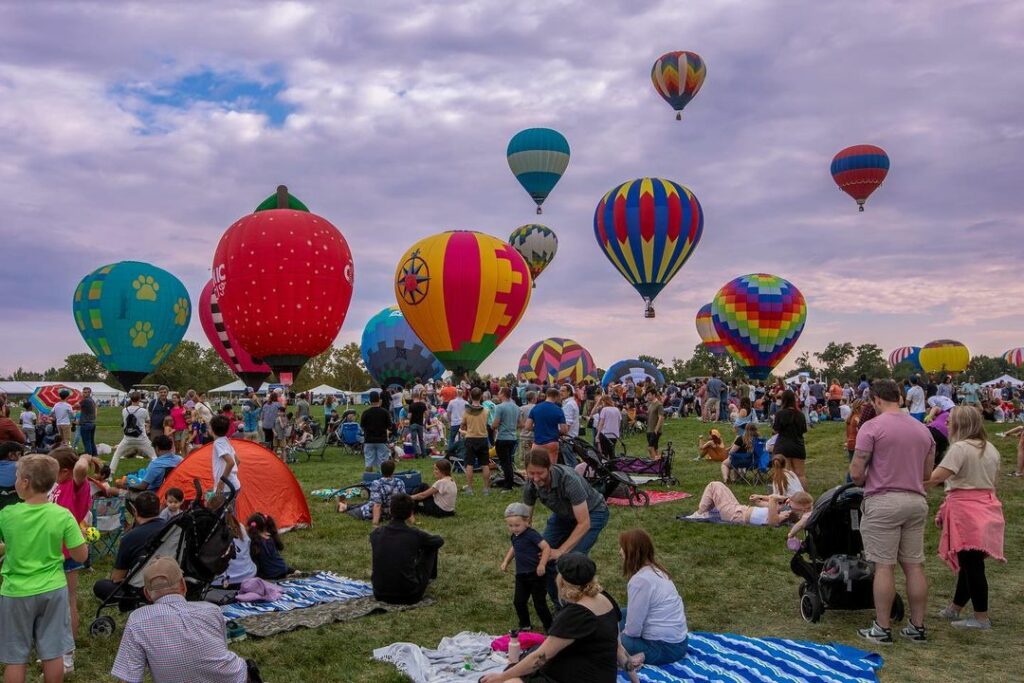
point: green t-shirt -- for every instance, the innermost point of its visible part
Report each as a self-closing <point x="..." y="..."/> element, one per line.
<point x="34" y="535"/>
<point x="654" y="411"/>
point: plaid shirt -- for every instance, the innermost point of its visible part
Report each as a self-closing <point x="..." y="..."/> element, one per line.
<point x="180" y="642"/>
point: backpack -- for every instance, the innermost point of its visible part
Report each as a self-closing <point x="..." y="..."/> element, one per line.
<point x="131" y="425"/>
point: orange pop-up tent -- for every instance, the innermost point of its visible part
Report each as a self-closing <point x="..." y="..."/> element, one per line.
<point x="268" y="486"/>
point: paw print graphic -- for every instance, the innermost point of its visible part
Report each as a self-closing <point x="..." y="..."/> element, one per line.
<point x="145" y="288"/>
<point x="141" y="334"/>
<point x="181" y="311"/>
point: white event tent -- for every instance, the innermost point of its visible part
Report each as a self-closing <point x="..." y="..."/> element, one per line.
<point x="1012" y="381"/>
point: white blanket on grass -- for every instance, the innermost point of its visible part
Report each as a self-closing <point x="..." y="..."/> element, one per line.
<point x="446" y="664"/>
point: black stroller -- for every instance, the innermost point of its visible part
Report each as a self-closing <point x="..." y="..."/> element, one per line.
<point x="609" y="484"/>
<point x="835" y="574"/>
<point x="200" y="541"/>
<point x="660" y="469"/>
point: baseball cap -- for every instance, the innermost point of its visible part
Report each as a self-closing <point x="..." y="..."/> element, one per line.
<point x="577" y="568"/>
<point x="161" y="574"/>
<point x="517" y="510"/>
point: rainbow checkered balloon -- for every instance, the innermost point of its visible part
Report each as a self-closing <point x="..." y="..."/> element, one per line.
<point x="759" y="317"/>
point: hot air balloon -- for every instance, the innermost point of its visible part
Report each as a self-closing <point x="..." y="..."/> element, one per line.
<point x="556" y="360"/>
<point x="648" y="228"/>
<point x="859" y="170"/>
<point x="283" y="280"/>
<point x="537" y="244"/>
<point x="462" y="293"/>
<point x="906" y="354"/>
<point x="758" y="317"/>
<point x="132" y="315"/>
<point x="44" y="398"/>
<point x="392" y="352"/>
<point x="944" y="355"/>
<point x="1015" y="357"/>
<point x="678" y="76"/>
<point x="251" y="371"/>
<point x="637" y="370"/>
<point x="538" y="157"/>
<point x="706" y="330"/>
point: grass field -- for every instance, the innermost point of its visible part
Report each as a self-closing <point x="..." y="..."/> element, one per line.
<point x="731" y="579"/>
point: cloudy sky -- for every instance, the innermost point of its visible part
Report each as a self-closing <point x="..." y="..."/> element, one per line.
<point x="143" y="130"/>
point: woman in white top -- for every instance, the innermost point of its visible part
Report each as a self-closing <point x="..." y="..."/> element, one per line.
<point x="609" y="424"/>
<point x="241" y="566"/>
<point x="654" y="620"/>
<point x="28" y="424"/>
<point x="785" y="482"/>
<point x="718" y="497"/>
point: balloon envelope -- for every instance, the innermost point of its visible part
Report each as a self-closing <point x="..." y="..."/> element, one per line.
<point x="944" y="355"/>
<point x="132" y="315"/>
<point x="859" y="170"/>
<point x="283" y="280"/>
<point x="759" y="317"/>
<point x="677" y="77"/>
<point x="706" y="330"/>
<point x="648" y="228"/>
<point x="538" y="157"/>
<point x="556" y="360"/>
<point x="906" y="354"/>
<point x="251" y="371"/>
<point x="638" y="370"/>
<point x="1015" y="357"/>
<point x="537" y="244"/>
<point x="392" y="352"/>
<point x="462" y="293"/>
<point x="43" y="399"/>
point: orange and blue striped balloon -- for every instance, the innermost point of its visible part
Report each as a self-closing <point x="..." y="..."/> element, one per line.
<point x="648" y="228"/>
<point x="462" y="293"/>
<point x="678" y="76"/>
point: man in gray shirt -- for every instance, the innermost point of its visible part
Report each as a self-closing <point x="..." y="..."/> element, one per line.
<point x="715" y="388"/>
<point x="87" y="421"/>
<point x="578" y="512"/>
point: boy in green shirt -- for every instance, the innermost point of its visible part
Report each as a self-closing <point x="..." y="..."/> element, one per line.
<point x="33" y="596"/>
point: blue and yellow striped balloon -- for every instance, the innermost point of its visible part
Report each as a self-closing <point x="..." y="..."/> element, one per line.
<point x="132" y="315"/>
<point x="648" y="228"/>
<point x="538" y="158"/>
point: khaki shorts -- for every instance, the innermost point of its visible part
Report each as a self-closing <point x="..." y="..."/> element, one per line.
<point x="892" y="527"/>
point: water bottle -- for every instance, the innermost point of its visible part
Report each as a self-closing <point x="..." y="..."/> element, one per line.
<point x="514" y="649"/>
<point x="467" y="663"/>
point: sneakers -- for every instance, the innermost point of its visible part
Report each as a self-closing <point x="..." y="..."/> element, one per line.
<point x="467" y="491"/>
<point x="876" y="634"/>
<point x="950" y="613"/>
<point x="69" y="663"/>
<point x="698" y="515"/>
<point x="914" y="634"/>
<point x="487" y="492"/>
<point x="972" y="623"/>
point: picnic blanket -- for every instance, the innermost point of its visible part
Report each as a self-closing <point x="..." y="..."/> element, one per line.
<point x="712" y="658"/>
<point x="264" y="625"/>
<point x="725" y="657"/>
<point x="320" y="588"/>
<point x="655" y="497"/>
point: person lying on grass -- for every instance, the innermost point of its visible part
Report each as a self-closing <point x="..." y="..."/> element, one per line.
<point x="717" y="496"/>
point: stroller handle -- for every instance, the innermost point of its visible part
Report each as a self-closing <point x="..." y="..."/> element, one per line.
<point x="842" y="489"/>
<point x="232" y="491"/>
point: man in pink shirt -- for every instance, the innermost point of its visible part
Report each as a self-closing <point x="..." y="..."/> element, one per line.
<point x="893" y="458"/>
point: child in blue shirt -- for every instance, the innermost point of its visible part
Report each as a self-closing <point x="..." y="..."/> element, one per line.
<point x="531" y="553"/>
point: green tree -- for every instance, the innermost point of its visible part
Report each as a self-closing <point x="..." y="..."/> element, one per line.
<point x="23" y="375"/>
<point x="653" y="360"/>
<point x="191" y="366"/>
<point x="318" y="370"/>
<point x="985" y="368"/>
<point x="803" y="363"/>
<point x="835" y="357"/>
<point x="867" y="360"/>
<point x="82" y="367"/>
<point x="351" y="373"/>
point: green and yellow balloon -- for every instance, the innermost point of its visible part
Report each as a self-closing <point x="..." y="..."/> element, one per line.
<point x="132" y="315"/>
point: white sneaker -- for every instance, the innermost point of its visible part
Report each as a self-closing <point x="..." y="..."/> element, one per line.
<point x="69" y="662"/>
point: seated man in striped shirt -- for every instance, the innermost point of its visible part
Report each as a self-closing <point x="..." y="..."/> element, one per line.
<point x="176" y="640"/>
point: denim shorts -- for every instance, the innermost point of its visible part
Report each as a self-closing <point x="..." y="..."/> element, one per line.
<point x="374" y="454"/>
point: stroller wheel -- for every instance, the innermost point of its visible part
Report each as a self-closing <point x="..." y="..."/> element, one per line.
<point x="800" y="591"/>
<point x="102" y="627"/>
<point x="897" y="613"/>
<point x="638" y="498"/>
<point x="811" y="608"/>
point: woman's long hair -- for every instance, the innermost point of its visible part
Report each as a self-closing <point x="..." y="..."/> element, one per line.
<point x="788" y="399"/>
<point x="750" y="435"/>
<point x="778" y="470"/>
<point x="259" y="523"/>
<point x="967" y="424"/>
<point x="638" y="552"/>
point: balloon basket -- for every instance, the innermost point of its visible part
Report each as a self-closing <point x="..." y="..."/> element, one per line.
<point x="679" y="116"/>
<point x="649" y="311"/>
<point x="539" y="211"/>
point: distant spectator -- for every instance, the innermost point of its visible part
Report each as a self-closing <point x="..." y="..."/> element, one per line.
<point x="404" y="558"/>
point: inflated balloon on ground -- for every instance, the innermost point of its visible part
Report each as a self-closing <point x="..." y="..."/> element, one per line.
<point x="537" y="244"/>
<point x="648" y="228"/>
<point x="944" y="355"/>
<point x="759" y="317"/>
<point x="631" y="368"/>
<point x="706" y="330"/>
<point x="283" y="280"/>
<point x="392" y="352"/>
<point x="1015" y="357"/>
<point x="677" y="77"/>
<point x="132" y="315"/>
<point x="251" y="371"/>
<point x="538" y="157"/>
<point x="462" y="293"/>
<point x="556" y="360"/>
<point x="906" y="354"/>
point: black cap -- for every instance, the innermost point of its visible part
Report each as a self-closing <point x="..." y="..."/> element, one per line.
<point x="576" y="568"/>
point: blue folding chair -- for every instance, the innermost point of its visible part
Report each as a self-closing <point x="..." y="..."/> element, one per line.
<point x="108" y="516"/>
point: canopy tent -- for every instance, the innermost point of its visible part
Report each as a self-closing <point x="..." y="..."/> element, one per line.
<point x="1012" y="381"/>
<point x="237" y="387"/>
<point x="100" y="390"/>
<point x="325" y="390"/>
<point x="795" y="379"/>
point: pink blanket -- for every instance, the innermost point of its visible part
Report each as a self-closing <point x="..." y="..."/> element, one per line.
<point x="655" y="496"/>
<point x="971" y="519"/>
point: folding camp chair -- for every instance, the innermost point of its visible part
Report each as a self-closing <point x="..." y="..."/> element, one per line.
<point x="763" y="459"/>
<point x="108" y="516"/>
<point x="748" y="466"/>
<point x="315" y="447"/>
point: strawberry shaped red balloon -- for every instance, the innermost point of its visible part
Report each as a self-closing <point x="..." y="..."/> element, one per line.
<point x="283" y="280"/>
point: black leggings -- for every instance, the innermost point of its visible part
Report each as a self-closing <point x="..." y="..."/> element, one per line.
<point x="505" y="448"/>
<point x="531" y="586"/>
<point x="971" y="584"/>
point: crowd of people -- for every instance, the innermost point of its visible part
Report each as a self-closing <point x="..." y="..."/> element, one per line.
<point x="900" y="440"/>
